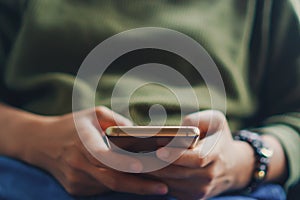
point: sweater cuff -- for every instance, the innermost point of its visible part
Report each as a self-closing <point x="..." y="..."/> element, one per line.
<point x="290" y="141"/>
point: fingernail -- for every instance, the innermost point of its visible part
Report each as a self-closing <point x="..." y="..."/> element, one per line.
<point x="162" y="189"/>
<point x="163" y="153"/>
<point x="136" y="167"/>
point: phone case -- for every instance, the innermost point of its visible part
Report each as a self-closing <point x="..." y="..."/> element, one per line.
<point x="150" y="138"/>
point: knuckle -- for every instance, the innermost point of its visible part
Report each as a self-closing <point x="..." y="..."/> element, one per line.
<point x="73" y="161"/>
<point x="200" y="163"/>
<point x="189" y="120"/>
<point x="93" y="160"/>
<point x="202" y="160"/>
<point x="210" y="176"/>
<point x="205" y="179"/>
<point x="100" y="110"/>
<point x="205" y="190"/>
<point x="218" y="114"/>
<point x="201" y="192"/>
<point x="72" y="178"/>
<point x="222" y="159"/>
<point x="112" y="184"/>
<point x="185" y="174"/>
<point x="71" y="190"/>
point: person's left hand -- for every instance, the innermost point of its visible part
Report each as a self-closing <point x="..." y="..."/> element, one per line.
<point x="217" y="164"/>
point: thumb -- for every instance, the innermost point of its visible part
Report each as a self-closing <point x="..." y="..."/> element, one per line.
<point x="208" y="121"/>
<point x="107" y="118"/>
<point x="211" y="123"/>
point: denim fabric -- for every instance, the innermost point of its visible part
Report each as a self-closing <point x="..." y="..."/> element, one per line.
<point x="22" y="181"/>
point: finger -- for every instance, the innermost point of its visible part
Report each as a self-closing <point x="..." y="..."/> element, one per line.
<point x="94" y="189"/>
<point x="96" y="146"/>
<point x="107" y="117"/>
<point x="179" y="172"/>
<point x="215" y="128"/>
<point x="187" y="186"/>
<point x="186" y="195"/>
<point x="208" y="121"/>
<point x="75" y="178"/>
<point x="191" y="158"/>
<point x="86" y="183"/>
<point x="123" y="182"/>
<point x="87" y="179"/>
<point x="82" y="183"/>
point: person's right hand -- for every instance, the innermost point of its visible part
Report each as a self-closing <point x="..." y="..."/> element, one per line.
<point x="56" y="147"/>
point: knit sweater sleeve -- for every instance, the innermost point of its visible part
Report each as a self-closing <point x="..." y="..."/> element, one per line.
<point x="10" y="21"/>
<point x="280" y="94"/>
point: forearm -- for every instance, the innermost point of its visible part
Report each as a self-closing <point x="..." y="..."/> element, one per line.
<point x="16" y="126"/>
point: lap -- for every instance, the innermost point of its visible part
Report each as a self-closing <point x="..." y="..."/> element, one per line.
<point x="22" y="181"/>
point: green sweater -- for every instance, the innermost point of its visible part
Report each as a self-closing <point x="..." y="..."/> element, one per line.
<point x="254" y="43"/>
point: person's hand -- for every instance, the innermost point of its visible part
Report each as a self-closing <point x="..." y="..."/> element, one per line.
<point x="216" y="165"/>
<point x="56" y="147"/>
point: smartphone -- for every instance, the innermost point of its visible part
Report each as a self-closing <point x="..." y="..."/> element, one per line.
<point x="150" y="138"/>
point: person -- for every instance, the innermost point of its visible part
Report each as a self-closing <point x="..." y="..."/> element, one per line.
<point x="255" y="45"/>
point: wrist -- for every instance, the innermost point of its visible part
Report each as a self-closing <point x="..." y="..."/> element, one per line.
<point x="36" y="141"/>
<point x="16" y="128"/>
<point x="28" y="131"/>
<point x="245" y="162"/>
<point x="262" y="154"/>
<point x="23" y="137"/>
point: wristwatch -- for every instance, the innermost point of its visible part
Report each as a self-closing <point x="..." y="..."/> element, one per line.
<point x="262" y="156"/>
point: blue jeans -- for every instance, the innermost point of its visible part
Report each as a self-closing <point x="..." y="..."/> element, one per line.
<point x="22" y="181"/>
